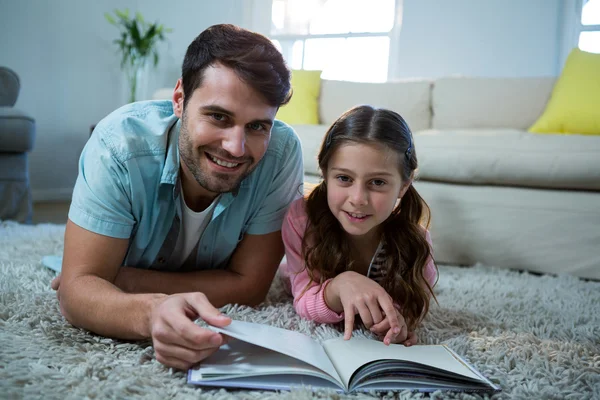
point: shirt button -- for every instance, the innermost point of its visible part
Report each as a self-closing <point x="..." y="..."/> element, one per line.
<point x="161" y="260"/>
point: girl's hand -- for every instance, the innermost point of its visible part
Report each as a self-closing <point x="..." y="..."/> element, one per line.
<point x="404" y="337"/>
<point x="353" y="294"/>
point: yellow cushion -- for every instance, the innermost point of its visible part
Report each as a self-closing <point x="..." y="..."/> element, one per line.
<point x="303" y="108"/>
<point x="575" y="103"/>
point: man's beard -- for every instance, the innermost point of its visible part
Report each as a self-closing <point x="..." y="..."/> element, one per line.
<point x="214" y="182"/>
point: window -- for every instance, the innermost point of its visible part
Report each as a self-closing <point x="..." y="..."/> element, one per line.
<point x="589" y="32"/>
<point x="346" y="39"/>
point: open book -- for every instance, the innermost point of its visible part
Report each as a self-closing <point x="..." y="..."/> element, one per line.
<point x="266" y="357"/>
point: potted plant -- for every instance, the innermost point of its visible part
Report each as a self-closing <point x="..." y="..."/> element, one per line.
<point x="137" y="44"/>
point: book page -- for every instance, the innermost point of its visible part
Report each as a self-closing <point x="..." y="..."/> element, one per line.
<point x="349" y="355"/>
<point x="293" y="344"/>
<point x="242" y="363"/>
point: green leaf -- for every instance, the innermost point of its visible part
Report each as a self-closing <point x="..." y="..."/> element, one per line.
<point x="138" y="39"/>
<point x="110" y="19"/>
<point x="151" y="32"/>
<point x="135" y="33"/>
<point x="121" y="14"/>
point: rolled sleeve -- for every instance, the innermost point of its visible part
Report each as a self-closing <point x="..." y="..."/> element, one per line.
<point x="284" y="188"/>
<point x="101" y="198"/>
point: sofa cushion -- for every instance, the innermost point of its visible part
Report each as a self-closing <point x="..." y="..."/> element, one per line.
<point x="303" y="108"/>
<point x="163" y="94"/>
<point x="13" y="167"/>
<point x="411" y="99"/>
<point x="17" y="131"/>
<point x="311" y="137"/>
<point x="509" y="157"/>
<point x="466" y="103"/>
<point x="9" y="87"/>
<point x="575" y="103"/>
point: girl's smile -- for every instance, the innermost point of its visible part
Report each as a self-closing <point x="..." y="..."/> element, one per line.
<point x="357" y="217"/>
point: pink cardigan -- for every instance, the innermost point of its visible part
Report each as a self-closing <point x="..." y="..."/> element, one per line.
<point x="311" y="305"/>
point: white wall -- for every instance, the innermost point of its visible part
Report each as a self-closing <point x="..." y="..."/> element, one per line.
<point x="70" y="72"/>
<point x="510" y="38"/>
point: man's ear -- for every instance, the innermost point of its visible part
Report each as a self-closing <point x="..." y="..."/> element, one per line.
<point x="178" y="97"/>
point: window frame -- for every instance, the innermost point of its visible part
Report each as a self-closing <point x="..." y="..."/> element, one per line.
<point x="584" y="28"/>
<point x="571" y="28"/>
<point x="392" y="35"/>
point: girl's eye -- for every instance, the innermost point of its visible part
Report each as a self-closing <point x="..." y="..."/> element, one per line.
<point x="378" y="182"/>
<point x="342" y="178"/>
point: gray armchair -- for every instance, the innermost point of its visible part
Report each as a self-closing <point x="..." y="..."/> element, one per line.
<point x="17" y="134"/>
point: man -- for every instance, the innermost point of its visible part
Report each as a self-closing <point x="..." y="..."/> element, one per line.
<point x="178" y="205"/>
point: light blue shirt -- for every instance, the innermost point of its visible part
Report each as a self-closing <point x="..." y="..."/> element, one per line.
<point x="127" y="188"/>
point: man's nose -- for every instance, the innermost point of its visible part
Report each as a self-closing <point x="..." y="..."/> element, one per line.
<point x="234" y="141"/>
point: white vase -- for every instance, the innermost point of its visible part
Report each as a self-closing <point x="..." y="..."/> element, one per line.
<point x="135" y="83"/>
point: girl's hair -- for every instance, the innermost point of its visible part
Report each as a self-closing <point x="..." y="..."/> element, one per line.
<point x="327" y="253"/>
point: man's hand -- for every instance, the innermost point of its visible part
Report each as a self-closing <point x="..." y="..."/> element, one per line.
<point x="354" y="294"/>
<point x="383" y="330"/>
<point x="178" y="341"/>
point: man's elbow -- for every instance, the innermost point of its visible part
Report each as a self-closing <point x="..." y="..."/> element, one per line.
<point x="257" y="298"/>
<point x="70" y="303"/>
<point x="65" y="307"/>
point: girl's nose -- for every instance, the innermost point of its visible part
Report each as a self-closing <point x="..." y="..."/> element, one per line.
<point x="359" y="196"/>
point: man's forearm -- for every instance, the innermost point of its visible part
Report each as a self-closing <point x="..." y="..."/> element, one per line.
<point x="95" y="304"/>
<point x="220" y="286"/>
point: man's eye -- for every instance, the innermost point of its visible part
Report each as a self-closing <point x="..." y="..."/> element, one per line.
<point x="255" y="126"/>
<point x="218" y="117"/>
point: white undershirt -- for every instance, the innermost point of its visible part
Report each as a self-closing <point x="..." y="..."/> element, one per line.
<point x="193" y="225"/>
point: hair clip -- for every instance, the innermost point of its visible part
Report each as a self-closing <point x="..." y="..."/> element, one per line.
<point x="330" y="135"/>
<point x="328" y="140"/>
<point x="408" y="151"/>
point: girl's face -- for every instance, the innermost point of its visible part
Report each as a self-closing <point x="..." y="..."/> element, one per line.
<point x="363" y="184"/>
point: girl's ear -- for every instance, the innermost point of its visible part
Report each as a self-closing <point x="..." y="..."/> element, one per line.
<point x="404" y="188"/>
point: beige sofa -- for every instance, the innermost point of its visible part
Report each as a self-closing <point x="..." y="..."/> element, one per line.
<point x="499" y="195"/>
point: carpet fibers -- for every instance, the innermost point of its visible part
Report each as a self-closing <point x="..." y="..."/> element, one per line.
<point x="538" y="337"/>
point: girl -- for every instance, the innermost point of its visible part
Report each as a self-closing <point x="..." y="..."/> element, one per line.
<point x="355" y="245"/>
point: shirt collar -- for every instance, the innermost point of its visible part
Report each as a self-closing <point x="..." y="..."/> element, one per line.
<point x="170" y="172"/>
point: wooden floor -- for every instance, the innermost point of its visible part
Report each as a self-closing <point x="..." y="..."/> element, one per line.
<point x="51" y="212"/>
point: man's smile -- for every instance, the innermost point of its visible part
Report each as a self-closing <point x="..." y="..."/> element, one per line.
<point x="223" y="163"/>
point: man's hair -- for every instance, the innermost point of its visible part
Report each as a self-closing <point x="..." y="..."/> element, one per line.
<point x="252" y="56"/>
<point x="325" y="248"/>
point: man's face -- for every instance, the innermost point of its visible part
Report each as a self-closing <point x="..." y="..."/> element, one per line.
<point x="225" y="129"/>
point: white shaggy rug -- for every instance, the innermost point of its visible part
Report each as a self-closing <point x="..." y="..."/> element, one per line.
<point x="538" y="337"/>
